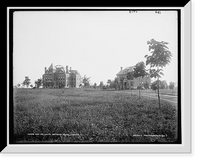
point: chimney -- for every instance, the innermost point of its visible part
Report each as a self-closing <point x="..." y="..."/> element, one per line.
<point x="70" y="68"/>
<point x="45" y="69"/>
<point x="121" y="68"/>
<point x="67" y="70"/>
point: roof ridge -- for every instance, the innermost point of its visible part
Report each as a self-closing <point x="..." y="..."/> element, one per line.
<point x="126" y="70"/>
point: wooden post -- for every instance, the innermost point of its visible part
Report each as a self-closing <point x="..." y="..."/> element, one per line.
<point x="158" y="94"/>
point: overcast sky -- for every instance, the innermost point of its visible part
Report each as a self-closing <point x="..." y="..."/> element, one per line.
<point x="96" y="43"/>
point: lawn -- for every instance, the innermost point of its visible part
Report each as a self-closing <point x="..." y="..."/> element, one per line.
<point x="90" y="116"/>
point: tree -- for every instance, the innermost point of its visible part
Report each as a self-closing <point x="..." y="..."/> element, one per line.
<point x="109" y="82"/>
<point x="38" y="83"/>
<point x="171" y="86"/>
<point x="154" y="86"/>
<point x="86" y="81"/>
<point x="18" y="85"/>
<point x="129" y="75"/>
<point x="113" y="83"/>
<point x="146" y="85"/>
<point x="95" y="85"/>
<point x="138" y="72"/>
<point x="163" y="84"/>
<point x="26" y="82"/>
<point x="159" y="58"/>
<point x="101" y="84"/>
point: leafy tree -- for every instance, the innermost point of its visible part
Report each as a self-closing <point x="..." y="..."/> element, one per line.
<point x="146" y="85"/>
<point x="18" y="85"/>
<point x="159" y="58"/>
<point x="113" y="83"/>
<point x="163" y="84"/>
<point x="104" y="87"/>
<point x="86" y="81"/>
<point x="139" y="71"/>
<point x="171" y="86"/>
<point x="109" y="82"/>
<point x="130" y="75"/>
<point x="154" y="86"/>
<point x="101" y="84"/>
<point x="26" y="82"/>
<point x="95" y="85"/>
<point x="38" y="83"/>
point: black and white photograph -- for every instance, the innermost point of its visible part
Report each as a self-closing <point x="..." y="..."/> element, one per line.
<point x="96" y="77"/>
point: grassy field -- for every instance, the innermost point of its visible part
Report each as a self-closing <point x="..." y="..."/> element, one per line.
<point x="90" y="116"/>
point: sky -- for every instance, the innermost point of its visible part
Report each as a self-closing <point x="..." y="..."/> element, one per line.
<point x="95" y="43"/>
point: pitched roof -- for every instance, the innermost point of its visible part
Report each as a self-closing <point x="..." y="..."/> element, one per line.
<point x="51" y="66"/>
<point x="126" y="70"/>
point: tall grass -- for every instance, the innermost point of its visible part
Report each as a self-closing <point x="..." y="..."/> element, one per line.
<point x="90" y="116"/>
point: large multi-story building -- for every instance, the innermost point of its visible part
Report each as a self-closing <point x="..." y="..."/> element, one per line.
<point x="59" y="77"/>
<point x="125" y="83"/>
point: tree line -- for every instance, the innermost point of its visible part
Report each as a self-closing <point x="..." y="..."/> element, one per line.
<point x="159" y="57"/>
<point x="27" y="83"/>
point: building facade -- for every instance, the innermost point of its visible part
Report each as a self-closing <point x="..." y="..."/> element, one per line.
<point x="124" y="83"/>
<point x="60" y="77"/>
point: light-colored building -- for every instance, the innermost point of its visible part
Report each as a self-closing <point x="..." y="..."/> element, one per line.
<point x="60" y="77"/>
<point x="125" y="83"/>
